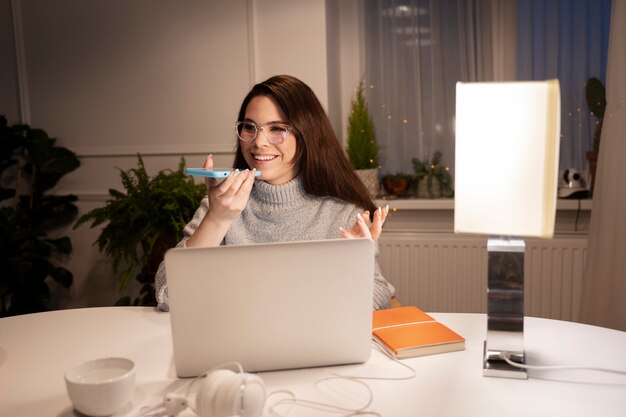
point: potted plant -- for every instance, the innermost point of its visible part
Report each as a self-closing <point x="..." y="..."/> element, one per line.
<point x="595" y="96"/>
<point x="433" y="178"/>
<point x="362" y="146"/>
<point x="31" y="164"/>
<point x="397" y="184"/>
<point x="143" y="222"/>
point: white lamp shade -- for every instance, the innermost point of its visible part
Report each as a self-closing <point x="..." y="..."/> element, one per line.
<point x="507" y="153"/>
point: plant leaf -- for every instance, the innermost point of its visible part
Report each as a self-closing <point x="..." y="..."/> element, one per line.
<point x="62" y="276"/>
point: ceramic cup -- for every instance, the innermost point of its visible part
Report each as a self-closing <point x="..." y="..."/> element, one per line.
<point x="101" y="387"/>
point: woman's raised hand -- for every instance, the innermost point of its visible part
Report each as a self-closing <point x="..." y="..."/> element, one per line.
<point x="228" y="198"/>
<point x="363" y="228"/>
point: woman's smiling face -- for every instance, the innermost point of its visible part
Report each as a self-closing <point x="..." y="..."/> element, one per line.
<point x="275" y="161"/>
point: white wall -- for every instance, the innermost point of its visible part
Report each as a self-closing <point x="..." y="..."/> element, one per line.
<point x="113" y="78"/>
<point x="290" y="36"/>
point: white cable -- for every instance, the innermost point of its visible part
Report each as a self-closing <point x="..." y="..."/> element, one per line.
<point x="384" y="351"/>
<point x="293" y="401"/>
<point x="508" y="360"/>
<point x="162" y="409"/>
<point x="173" y="404"/>
<point x="315" y="405"/>
<point x="361" y="411"/>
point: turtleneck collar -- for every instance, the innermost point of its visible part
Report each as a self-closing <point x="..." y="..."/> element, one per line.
<point x="291" y="192"/>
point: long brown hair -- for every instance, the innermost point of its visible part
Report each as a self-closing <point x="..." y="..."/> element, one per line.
<point x="322" y="163"/>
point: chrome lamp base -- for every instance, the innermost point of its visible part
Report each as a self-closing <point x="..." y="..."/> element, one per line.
<point x="505" y="308"/>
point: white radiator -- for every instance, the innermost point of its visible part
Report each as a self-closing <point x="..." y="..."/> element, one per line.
<point x="448" y="273"/>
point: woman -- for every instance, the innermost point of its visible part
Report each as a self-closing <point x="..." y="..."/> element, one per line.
<point x="307" y="189"/>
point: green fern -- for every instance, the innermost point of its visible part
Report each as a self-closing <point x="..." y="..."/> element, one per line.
<point x="144" y="221"/>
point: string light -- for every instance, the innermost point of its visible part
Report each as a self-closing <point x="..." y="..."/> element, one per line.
<point x="579" y="110"/>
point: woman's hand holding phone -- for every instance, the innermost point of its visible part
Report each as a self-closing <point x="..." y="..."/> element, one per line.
<point x="227" y="199"/>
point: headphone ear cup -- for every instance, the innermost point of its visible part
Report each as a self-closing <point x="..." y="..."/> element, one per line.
<point x="242" y="395"/>
<point x="254" y="398"/>
<point x="206" y="396"/>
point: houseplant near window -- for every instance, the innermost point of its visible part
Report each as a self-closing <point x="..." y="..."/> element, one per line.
<point x="31" y="164"/>
<point x="595" y="96"/>
<point x="362" y="146"/>
<point x="433" y="178"/>
<point x="397" y="184"/>
<point x="143" y="223"/>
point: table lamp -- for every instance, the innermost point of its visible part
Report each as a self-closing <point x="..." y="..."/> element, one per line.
<point x="506" y="169"/>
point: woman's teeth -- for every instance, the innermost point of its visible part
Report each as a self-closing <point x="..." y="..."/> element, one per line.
<point x="264" y="157"/>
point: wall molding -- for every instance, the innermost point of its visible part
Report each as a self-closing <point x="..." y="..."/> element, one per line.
<point x="20" y="60"/>
<point x="168" y="150"/>
<point x="407" y="204"/>
<point x="92" y="198"/>
<point x="251" y="28"/>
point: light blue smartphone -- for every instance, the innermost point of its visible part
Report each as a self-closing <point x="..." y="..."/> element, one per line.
<point x="212" y="173"/>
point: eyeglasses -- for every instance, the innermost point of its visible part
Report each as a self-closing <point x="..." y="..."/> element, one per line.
<point x="275" y="133"/>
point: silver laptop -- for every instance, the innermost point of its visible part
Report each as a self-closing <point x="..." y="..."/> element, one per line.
<point x="271" y="306"/>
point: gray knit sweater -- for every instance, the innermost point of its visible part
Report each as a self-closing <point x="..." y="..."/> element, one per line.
<point x="283" y="213"/>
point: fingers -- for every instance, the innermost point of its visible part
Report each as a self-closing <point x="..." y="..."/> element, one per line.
<point x="380" y="215"/>
<point x="359" y="229"/>
<point x="228" y="198"/>
<point x="363" y="228"/>
<point x="248" y="182"/>
<point x="208" y="164"/>
<point x="237" y="181"/>
<point x="366" y="217"/>
<point x="362" y="225"/>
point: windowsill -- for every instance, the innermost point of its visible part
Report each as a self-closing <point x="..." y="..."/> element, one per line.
<point x="448" y="204"/>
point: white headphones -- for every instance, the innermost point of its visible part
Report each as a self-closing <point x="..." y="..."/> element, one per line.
<point x="222" y="393"/>
<point x="225" y="393"/>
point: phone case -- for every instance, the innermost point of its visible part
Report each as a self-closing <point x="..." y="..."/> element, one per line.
<point x="212" y="173"/>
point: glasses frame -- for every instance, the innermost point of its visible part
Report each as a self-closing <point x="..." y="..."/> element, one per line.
<point x="257" y="127"/>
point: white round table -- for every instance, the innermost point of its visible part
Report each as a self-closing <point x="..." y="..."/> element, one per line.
<point x="37" y="349"/>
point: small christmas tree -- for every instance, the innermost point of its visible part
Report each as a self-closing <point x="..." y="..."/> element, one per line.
<point x="362" y="147"/>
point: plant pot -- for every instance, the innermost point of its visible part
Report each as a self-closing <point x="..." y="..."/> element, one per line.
<point x="369" y="177"/>
<point x="435" y="188"/>
<point x="396" y="186"/>
<point x="592" y="158"/>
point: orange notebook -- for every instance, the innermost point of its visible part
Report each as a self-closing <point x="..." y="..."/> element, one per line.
<point x="407" y="332"/>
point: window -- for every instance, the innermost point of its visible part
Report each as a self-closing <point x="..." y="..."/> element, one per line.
<point x="416" y="51"/>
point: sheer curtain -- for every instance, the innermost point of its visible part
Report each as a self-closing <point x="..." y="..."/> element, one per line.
<point x="566" y="40"/>
<point x="604" y="285"/>
<point x="416" y="51"/>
